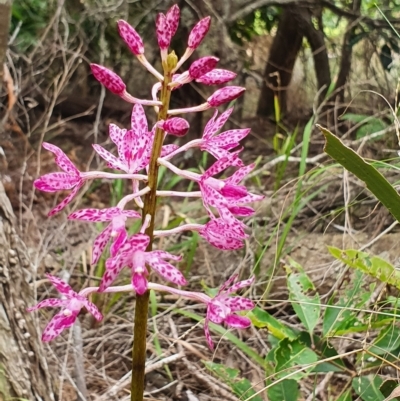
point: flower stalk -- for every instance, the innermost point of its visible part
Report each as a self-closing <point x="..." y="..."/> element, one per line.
<point x="150" y="203"/>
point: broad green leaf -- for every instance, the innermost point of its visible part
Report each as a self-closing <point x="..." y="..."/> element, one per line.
<point x="339" y="319"/>
<point x="390" y="389"/>
<point x="374" y="125"/>
<point x="354" y="163"/>
<point x="240" y="386"/>
<point x="261" y="318"/>
<point x="387" y="340"/>
<point x="293" y="355"/>
<point x="367" y="387"/>
<point x="285" y="390"/>
<point x="372" y="265"/>
<point x="302" y="293"/>
<point x="346" y="396"/>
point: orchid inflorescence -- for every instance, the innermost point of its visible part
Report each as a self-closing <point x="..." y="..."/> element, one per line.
<point x="140" y="152"/>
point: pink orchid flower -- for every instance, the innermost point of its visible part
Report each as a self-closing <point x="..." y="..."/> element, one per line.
<point x="71" y="306"/>
<point x="133" y="255"/>
<point x="217" y="76"/>
<point x="134" y="146"/>
<point x="219" y="145"/>
<point x="115" y="230"/>
<point x="72" y="178"/>
<point x="222" y="308"/>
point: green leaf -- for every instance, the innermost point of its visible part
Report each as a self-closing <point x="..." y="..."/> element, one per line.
<point x="285" y="390"/>
<point x="354" y="163"/>
<point x="367" y="387"/>
<point x="261" y="318"/>
<point x="293" y="355"/>
<point x="387" y="340"/>
<point x="390" y="389"/>
<point x="372" y="265"/>
<point x="346" y="396"/>
<point x="301" y="289"/>
<point x="240" y="386"/>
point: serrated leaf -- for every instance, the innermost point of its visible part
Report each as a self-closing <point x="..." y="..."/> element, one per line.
<point x="240" y="386"/>
<point x="261" y="318"/>
<point x="286" y="390"/>
<point x="367" y="387"/>
<point x="373" y="179"/>
<point x="306" y="301"/>
<point x="292" y="355"/>
<point x="372" y="265"/>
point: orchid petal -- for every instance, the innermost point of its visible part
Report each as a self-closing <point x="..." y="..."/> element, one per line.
<point x="61" y="159"/>
<point x="48" y="303"/>
<point x="100" y="243"/>
<point x="239" y="304"/>
<point x="238" y="322"/>
<point x="57" y="324"/>
<point x="67" y="200"/>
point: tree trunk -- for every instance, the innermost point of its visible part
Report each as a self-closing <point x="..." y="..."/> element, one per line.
<point x="279" y="69"/>
<point x="345" y="62"/>
<point x="24" y="373"/>
<point x="5" y="13"/>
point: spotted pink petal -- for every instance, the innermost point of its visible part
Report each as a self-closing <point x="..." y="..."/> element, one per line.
<point x="139" y="283"/>
<point x="202" y="66"/>
<point x="163" y="32"/>
<point x="238" y="175"/>
<point x="215" y="313"/>
<point x="165" y="269"/>
<point x="62" y="159"/>
<point x="219" y="166"/>
<point x="241" y="284"/>
<point x="53" y="182"/>
<point x="61" y="286"/>
<point x="215" y="124"/>
<point x="119" y="241"/>
<point x="237" y="304"/>
<point x="227" y="283"/>
<point x="116" y="134"/>
<point x="112" y="161"/>
<point x="139" y="120"/>
<point x="238" y="322"/>
<point x="172" y="16"/>
<point x="108" y="78"/>
<point x="242" y="211"/>
<point x="208" y="335"/>
<point x="110" y="275"/>
<point x="137" y="242"/>
<point x="216" y="77"/>
<point x="167" y="149"/>
<point x="48" y="303"/>
<point x="131" y="37"/>
<point x="224" y="95"/>
<point x="67" y="200"/>
<point x="92" y="309"/>
<point x="198" y="32"/>
<point x="57" y="324"/>
<point x="175" y="126"/>
<point x="100" y="243"/>
<point x="218" y="234"/>
<point x="229" y="139"/>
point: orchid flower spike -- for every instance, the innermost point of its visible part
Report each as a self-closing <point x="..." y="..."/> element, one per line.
<point x="71" y="305"/>
<point x="222" y="308"/>
<point x="133" y="255"/>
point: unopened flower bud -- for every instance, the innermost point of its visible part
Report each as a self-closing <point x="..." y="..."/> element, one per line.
<point x="131" y="37"/>
<point x="225" y="95"/>
<point x="198" y="33"/>
<point x="216" y="77"/>
<point x="108" y="78"/>
<point x="202" y="66"/>
<point x="175" y="126"/>
<point x="172" y="16"/>
<point x="163" y="32"/>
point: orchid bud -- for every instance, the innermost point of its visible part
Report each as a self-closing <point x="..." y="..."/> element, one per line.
<point x="202" y="66"/>
<point x="172" y="16"/>
<point x="216" y="77"/>
<point x="198" y="33"/>
<point x="131" y="37"/>
<point x="163" y="32"/>
<point x="225" y="95"/>
<point x="175" y="126"/>
<point x="108" y="78"/>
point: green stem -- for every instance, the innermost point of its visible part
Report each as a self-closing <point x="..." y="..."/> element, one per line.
<point x="150" y="203"/>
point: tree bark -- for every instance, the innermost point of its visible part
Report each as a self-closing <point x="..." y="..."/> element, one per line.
<point x="279" y="69"/>
<point x="24" y="373"/>
<point x="5" y="13"/>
